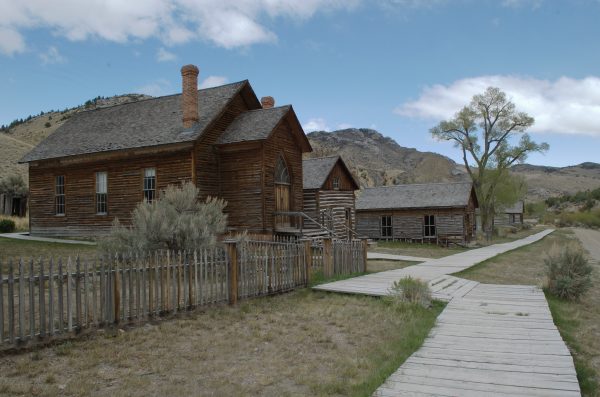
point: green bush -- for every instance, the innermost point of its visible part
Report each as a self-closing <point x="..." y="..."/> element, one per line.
<point x="411" y="290"/>
<point x="7" y="226"/>
<point x="588" y="218"/>
<point x="568" y="272"/>
<point x="177" y="220"/>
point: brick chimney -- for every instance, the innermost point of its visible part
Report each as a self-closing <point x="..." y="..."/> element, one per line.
<point x="267" y="102"/>
<point x="189" y="100"/>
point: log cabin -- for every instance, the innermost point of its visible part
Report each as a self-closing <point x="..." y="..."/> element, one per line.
<point x="329" y="197"/>
<point x="434" y="212"/>
<point x="510" y="215"/>
<point x="101" y="163"/>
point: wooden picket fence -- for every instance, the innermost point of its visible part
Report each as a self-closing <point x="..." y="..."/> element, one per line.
<point x="41" y="299"/>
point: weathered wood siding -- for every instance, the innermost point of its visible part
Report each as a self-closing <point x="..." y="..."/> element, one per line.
<point x="409" y="224"/>
<point x="125" y="191"/>
<point x="206" y="159"/>
<point x="240" y="174"/>
<point x="335" y="203"/>
<point x="311" y="207"/>
<point x="282" y="143"/>
<point x="338" y="171"/>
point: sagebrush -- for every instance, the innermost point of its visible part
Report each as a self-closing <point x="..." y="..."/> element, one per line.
<point x="568" y="272"/>
<point x="411" y="290"/>
<point x="7" y="226"/>
<point x="177" y="220"/>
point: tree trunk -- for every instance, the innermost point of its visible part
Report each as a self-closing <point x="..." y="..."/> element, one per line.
<point x="487" y="221"/>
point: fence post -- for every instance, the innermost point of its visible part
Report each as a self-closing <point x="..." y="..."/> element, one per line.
<point x="327" y="257"/>
<point x="365" y="245"/>
<point x="233" y="270"/>
<point x="117" y="292"/>
<point x="307" y="260"/>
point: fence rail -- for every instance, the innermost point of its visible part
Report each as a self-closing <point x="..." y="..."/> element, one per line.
<point x="40" y="299"/>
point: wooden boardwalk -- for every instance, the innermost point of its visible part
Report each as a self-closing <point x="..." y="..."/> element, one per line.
<point x="497" y="340"/>
<point x="378" y="284"/>
<point x="490" y="340"/>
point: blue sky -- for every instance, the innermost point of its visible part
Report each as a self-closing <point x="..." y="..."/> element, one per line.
<point x="398" y="66"/>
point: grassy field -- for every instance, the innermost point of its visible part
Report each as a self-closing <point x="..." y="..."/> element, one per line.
<point x="301" y="343"/>
<point x="578" y="322"/>
<point x="11" y="248"/>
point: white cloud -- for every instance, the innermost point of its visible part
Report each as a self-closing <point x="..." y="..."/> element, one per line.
<point x="533" y="4"/>
<point x="315" y="124"/>
<point x="156" y="88"/>
<point x="163" y="55"/>
<point x="52" y="56"/>
<point x="566" y="105"/>
<point x="225" y="23"/>
<point x="344" y="126"/>
<point x="213" y="81"/>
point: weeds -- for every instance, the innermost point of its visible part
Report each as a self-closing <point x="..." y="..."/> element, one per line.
<point x="569" y="273"/>
<point x="410" y="290"/>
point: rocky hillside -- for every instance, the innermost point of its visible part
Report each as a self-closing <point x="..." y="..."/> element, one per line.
<point x="22" y="135"/>
<point x="379" y="160"/>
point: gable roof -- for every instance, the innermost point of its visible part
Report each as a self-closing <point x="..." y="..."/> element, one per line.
<point x="150" y="122"/>
<point x="315" y="171"/>
<point x="430" y="195"/>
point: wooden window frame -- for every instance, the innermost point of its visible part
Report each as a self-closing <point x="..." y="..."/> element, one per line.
<point x="386" y="229"/>
<point x="101" y="202"/>
<point x="429" y="226"/>
<point x="277" y="172"/>
<point x="149" y="192"/>
<point x="336" y="183"/>
<point x="59" y="196"/>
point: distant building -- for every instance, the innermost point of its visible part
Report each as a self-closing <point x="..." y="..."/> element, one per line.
<point x="511" y="216"/>
<point x="434" y="212"/>
<point x="329" y="198"/>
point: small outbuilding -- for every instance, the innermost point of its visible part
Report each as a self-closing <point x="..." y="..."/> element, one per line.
<point x="434" y="212"/>
<point x="510" y="216"/>
<point x="329" y="199"/>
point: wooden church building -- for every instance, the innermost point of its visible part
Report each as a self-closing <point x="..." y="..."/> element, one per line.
<point x="101" y="163"/>
<point x="329" y="197"/>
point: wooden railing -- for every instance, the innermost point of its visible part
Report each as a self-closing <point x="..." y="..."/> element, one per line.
<point x="41" y="299"/>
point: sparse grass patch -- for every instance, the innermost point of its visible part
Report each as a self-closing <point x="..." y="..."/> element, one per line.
<point x="416" y="249"/>
<point x="301" y="343"/>
<point x="379" y="265"/>
<point x="21" y="223"/>
<point x="11" y="248"/>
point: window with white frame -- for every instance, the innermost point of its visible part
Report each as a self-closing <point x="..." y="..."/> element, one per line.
<point x="429" y="226"/>
<point x="336" y="183"/>
<point x="59" y="195"/>
<point x="101" y="193"/>
<point x="386" y="226"/>
<point x="149" y="184"/>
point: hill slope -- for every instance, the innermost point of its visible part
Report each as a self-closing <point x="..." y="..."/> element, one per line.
<point x="379" y="160"/>
<point x="22" y="137"/>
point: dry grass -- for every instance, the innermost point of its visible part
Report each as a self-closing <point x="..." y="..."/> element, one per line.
<point x="21" y="223"/>
<point x="302" y="343"/>
<point x="415" y="249"/>
<point x="375" y="266"/>
<point x="11" y="248"/>
<point x="578" y="322"/>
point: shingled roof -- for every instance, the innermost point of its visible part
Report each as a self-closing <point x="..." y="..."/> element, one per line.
<point x="516" y="208"/>
<point x="151" y="122"/>
<point x="253" y="125"/>
<point x="431" y="195"/>
<point x="315" y="171"/>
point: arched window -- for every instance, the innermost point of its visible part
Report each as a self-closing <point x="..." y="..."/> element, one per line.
<point x="282" y="176"/>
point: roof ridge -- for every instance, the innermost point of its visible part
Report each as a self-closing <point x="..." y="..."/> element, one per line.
<point x="419" y="184"/>
<point x="158" y="97"/>
<point x="323" y="157"/>
<point x="261" y="109"/>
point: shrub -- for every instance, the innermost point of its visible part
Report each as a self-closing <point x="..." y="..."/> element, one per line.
<point x="7" y="226"/>
<point x="47" y="124"/>
<point x="568" y="272"/>
<point x="411" y="290"/>
<point x="177" y="220"/>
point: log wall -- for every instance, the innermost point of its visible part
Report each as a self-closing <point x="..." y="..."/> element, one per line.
<point x="125" y="191"/>
<point x="335" y="202"/>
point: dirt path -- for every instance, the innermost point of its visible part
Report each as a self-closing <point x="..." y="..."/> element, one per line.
<point x="591" y="241"/>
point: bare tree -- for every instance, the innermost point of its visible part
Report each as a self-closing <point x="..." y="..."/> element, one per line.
<point x="484" y="131"/>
